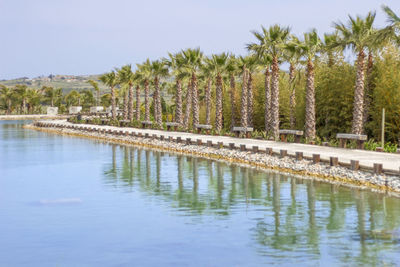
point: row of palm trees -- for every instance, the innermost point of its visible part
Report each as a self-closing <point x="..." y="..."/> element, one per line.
<point x="273" y="46"/>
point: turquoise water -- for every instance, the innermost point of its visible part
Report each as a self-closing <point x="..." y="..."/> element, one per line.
<point x="75" y="202"/>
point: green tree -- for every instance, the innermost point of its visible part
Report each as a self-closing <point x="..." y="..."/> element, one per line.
<point x="96" y="88"/>
<point x="110" y="79"/>
<point x="158" y="70"/>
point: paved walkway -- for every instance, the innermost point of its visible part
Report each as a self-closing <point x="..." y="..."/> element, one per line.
<point x="391" y="162"/>
<point x="32" y="117"/>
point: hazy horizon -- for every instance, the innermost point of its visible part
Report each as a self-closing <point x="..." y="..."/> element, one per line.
<point x="84" y="38"/>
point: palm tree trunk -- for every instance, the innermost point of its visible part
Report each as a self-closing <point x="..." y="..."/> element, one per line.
<point x="243" y="100"/>
<point x="368" y="89"/>
<point x="130" y="103"/>
<point x="195" y="99"/>
<point x="137" y="102"/>
<point x="113" y="106"/>
<point x="146" y="101"/>
<point x="157" y="103"/>
<point x="358" y="107"/>
<point x="267" y="111"/>
<point x="310" y="103"/>
<point x="8" y="106"/>
<point x="178" y="102"/>
<point x="250" y="100"/>
<point x="292" y="97"/>
<point x="208" y="101"/>
<point x="275" y="98"/>
<point x="188" y="106"/>
<point x="126" y="105"/>
<point x="218" y="104"/>
<point x="233" y="104"/>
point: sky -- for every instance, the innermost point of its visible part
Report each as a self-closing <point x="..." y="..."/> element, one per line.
<point x="78" y="37"/>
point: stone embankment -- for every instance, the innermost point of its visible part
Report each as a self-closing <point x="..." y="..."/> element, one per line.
<point x="33" y="117"/>
<point x="267" y="159"/>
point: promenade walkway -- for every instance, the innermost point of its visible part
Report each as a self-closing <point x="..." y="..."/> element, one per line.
<point x="391" y="162"/>
<point x="32" y="117"/>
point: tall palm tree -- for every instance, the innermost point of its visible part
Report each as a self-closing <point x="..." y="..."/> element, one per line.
<point x="264" y="62"/>
<point x="144" y="75"/>
<point x="193" y="60"/>
<point x="52" y="95"/>
<point x="34" y="97"/>
<point x="110" y="79"/>
<point x="330" y="39"/>
<point x="188" y="107"/>
<point x="232" y="70"/>
<point x="358" y="35"/>
<point x="96" y="89"/>
<point x="219" y="65"/>
<point x="243" y="98"/>
<point x="309" y="48"/>
<point x="158" y="70"/>
<point x="292" y="55"/>
<point x="207" y="74"/>
<point x="251" y="65"/>
<point x="176" y="64"/>
<point x="126" y="76"/>
<point x="272" y="41"/>
<point x="7" y="95"/>
<point x="392" y="31"/>
<point x="137" y="80"/>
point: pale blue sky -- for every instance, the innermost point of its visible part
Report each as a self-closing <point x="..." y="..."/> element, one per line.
<point x="42" y="37"/>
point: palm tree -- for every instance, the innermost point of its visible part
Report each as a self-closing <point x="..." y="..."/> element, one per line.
<point x="309" y="48"/>
<point x="158" y="70"/>
<point x="176" y="64"/>
<point x="207" y="74"/>
<point x="33" y="100"/>
<point x="251" y="66"/>
<point x="126" y="76"/>
<point x="52" y="95"/>
<point x="7" y="96"/>
<point x="243" y="98"/>
<point x="264" y="62"/>
<point x="330" y="39"/>
<point x="219" y="65"/>
<point x="232" y="70"/>
<point x="137" y="80"/>
<point x="292" y="56"/>
<point x="357" y="35"/>
<point x="144" y="75"/>
<point x="96" y="89"/>
<point x="392" y="31"/>
<point x="192" y="62"/>
<point x="110" y="79"/>
<point x="272" y="41"/>
<point x="21" y="91"/>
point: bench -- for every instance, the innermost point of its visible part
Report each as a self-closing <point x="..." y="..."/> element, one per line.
<point x="245" y="130"/>
<point x="123" y="123"/>
<point x="284" y="133"/>
<point x="104" y="121"/>
<point x="200" y="127"/>
<point x="146" y="124"/>
<point x="360" y="138"/>
<point x="173" y="125"/>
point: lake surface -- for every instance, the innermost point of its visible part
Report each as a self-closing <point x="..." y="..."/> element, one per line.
<point x="75" y="202"/>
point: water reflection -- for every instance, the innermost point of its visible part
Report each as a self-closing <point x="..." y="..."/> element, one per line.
<point x="287" y="216"/>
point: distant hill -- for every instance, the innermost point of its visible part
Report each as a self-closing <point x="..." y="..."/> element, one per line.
<point x="66" y="82"/>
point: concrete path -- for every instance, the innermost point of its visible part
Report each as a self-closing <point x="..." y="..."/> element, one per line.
<point x="391" y="162"/>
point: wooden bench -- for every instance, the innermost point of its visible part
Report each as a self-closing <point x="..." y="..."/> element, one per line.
<point x="360" y="138"/>
<point x="123" y="123"/>
<point x="146" y="124"/>
<point x="245" y="130"/>
<point x="200" y="127"/>
<point x="173" y="125"/>
<point x="284" y="133"/>
<point x="104" y="121"/>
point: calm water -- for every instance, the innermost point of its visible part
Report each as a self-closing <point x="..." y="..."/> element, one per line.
<point x="76" y="202"/>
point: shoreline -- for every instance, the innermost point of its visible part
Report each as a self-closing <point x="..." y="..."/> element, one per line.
<point x="304" y="169"/>
<point x="32" y="117"/>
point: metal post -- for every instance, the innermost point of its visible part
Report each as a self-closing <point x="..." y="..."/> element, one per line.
<point x="383" y="128"/>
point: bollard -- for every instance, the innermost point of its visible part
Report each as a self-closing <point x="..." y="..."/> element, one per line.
<point x="146" y="135"/>
<point x="268" y="151"/>
<point x="188" y="141"/>
<point x="378" y="168"/>
<point x="170" y="139"/>
<point x="140" y="135"/>
<point x="199" y="142"/>
<point x="299" y="155"/>
<point x="162" y="137"/>
<point x="354" y="165"/>
<point x="209" y="143"/>
<point x="316" y="158"/>
<point x="220" y="145"/>
<point x="178" y="139"/>
<point x="121" y="132"/>
<point x="333" y="161"/>
<point x="231" y="145"/>
<point x="154" y="136"/>
<point x="283" y="153"/>
<point x="242" y="147"/>
<point x="255" y="149"/>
